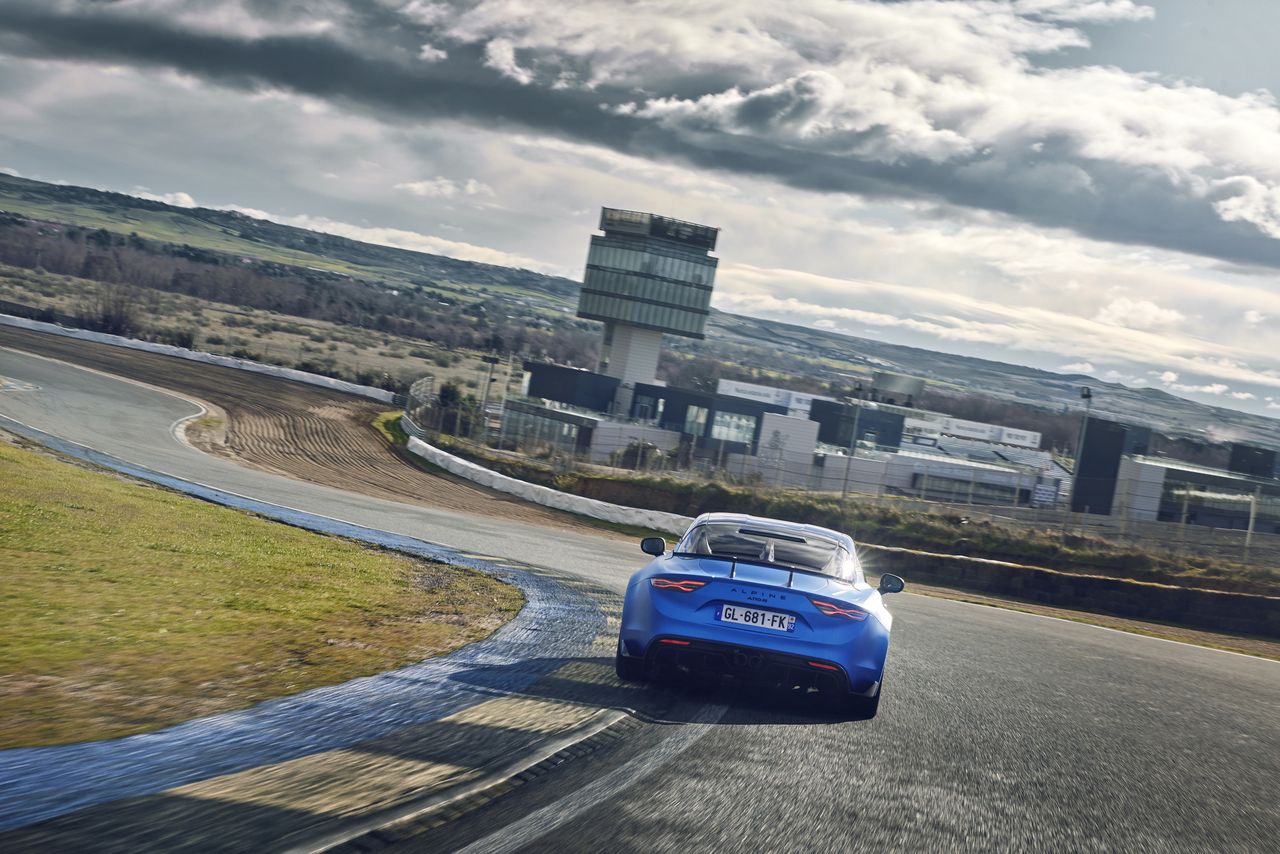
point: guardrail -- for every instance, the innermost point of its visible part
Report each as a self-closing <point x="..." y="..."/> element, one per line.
<point x="198" y="356"/>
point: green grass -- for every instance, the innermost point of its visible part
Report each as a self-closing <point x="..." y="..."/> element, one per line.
<point x="127" y="607"/>
<point x="172" y="227"/>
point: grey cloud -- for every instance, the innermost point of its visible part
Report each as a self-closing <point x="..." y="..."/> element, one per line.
<point x="797" y="131"/>
<point x="393" y="82"/>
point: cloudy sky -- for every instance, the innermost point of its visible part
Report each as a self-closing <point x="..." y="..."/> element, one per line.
<point x="1081" y="185"/>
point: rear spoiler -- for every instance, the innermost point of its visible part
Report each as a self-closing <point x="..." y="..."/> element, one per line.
<point x="791" y="570"/>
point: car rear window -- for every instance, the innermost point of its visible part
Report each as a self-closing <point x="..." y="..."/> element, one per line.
<point x="761" y="543"/>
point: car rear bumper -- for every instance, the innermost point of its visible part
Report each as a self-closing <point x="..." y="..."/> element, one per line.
<point x="757" y="666"/>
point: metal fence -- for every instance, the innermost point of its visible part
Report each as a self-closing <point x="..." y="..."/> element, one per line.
<point x="1008" y="495"/>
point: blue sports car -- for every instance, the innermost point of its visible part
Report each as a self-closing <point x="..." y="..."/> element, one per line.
<point x="765" y="601"/>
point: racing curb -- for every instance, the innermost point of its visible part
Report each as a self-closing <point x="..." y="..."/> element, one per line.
<point x="418" y="815"/>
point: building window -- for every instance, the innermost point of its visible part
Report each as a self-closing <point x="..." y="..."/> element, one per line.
<point x="695" y="420"/>
<point x="644" y="407"/>
<point x="734" y="427"/>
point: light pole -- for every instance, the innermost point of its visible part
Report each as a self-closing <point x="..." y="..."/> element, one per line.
<point x="853" y="442"/>
<point x="1086" y="394"/>
<point x="489" y="361"/>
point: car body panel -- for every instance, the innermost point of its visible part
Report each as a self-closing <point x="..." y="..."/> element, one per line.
<point x="668" y="615"/>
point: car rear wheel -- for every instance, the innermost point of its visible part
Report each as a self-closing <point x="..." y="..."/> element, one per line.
<point x="630" y="669"/>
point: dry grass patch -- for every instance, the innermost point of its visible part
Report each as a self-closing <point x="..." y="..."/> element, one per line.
<point x="128" y="607"/>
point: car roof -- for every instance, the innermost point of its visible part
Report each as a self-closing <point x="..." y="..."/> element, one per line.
<point x="778" y="524"/>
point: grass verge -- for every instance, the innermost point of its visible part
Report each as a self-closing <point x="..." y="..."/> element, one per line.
<point x="128" y="607"/>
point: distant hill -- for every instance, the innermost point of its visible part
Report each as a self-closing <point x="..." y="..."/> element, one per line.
<point x="229" y="232"/>
<point x="1174" y="416"/>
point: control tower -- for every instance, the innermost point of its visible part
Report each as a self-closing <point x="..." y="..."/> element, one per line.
<point x="646" y="275"/>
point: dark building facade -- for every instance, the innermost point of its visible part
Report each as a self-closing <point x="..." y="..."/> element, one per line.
<point x="836" y="420"/>
<point x="1098" y="463"/>
<point x="574" y="386"/>
<point x="1253" y="461"/>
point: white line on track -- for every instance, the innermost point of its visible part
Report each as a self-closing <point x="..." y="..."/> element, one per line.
<point x="537" y="824"/>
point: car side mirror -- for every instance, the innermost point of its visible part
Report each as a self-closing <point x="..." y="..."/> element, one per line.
<point x="655" y="546"/>
<point x="890" y="583"/>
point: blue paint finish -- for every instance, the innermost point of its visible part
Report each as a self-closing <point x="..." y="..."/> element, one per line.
<point x="836" y="622"/>
<point x="556" y="624"/>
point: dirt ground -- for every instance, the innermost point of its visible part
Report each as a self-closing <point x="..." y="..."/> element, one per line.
<point x="301" y="431"/>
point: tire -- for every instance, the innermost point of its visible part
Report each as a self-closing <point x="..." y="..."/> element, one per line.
<point x="630" y="669"/>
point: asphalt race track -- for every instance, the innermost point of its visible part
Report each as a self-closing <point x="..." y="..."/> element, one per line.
<point x="999" y="730"/>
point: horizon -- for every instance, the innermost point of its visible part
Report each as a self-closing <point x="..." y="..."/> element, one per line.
<point x="257" y="216"/>
<point x="1078" y="187"/>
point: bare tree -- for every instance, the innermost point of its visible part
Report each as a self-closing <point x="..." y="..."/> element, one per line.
<point x="112" y="309"/>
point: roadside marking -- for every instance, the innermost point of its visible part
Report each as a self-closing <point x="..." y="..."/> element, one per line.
<point x="339" y="783"/>
<point x="351" y="782"/>
<point x="525" y="714"/>
<point x="537" y="824"/>
<point x="10" y="384"/>
<point x="602" y="721"/>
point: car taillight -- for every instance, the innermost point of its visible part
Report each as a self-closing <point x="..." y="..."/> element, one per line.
<point x="821" y="666"/>
<point x="831" y="609"/>
<point x="683" y="585"/>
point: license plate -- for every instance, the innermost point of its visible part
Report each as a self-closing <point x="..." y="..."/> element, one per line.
<point x="755" y="617"/>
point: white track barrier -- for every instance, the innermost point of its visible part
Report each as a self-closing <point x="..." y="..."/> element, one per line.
<point x="654" y="520"/>
<point x="196" y="356"/>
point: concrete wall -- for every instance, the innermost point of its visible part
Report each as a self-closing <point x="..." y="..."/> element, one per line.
<point x="196" y="356"/>
<point x="609" y="437"/>
<point x="1138" y="491"/>
<point x="1204" y="609"/>
<point x="863" y="474"/>
<point x="784" y="456"/>
<point x="670" y="523"/>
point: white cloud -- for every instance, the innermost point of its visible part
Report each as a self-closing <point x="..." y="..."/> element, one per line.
<point x="1209" y="388"/>
<point x="1253" y="317"/>
<point x="444" y="188"/>
<point x="7" y="171"/>
<point x="403" y="239"/>
<point x="431" y="53"/>
<point x="178" y="199"/>
<point x="1085" y="11"/>
<point x="426" y="13"/>
<point x="1137" y="314"/>
<point x="1244" y="395"/>
<point x="500" y="55"/>
<point x="974" y="321"/>
<point x="1077" y="368"/>
<point x="891" y="83"/>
